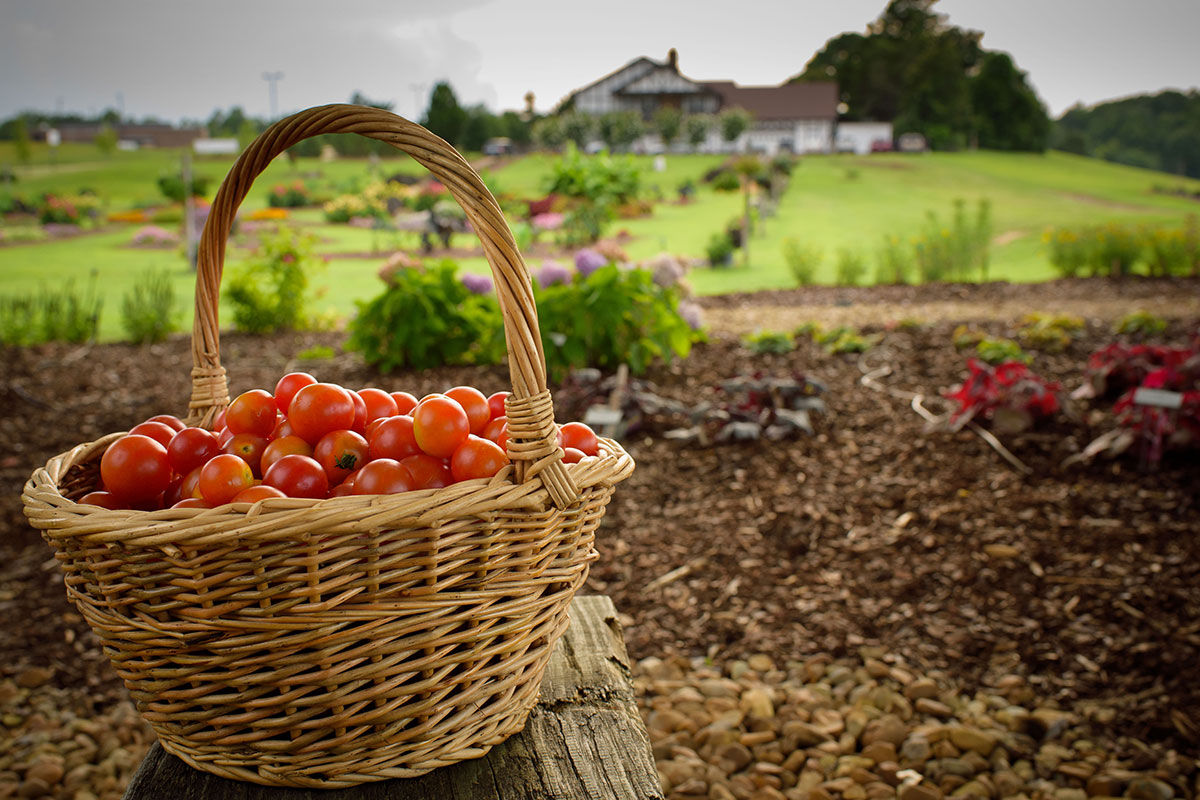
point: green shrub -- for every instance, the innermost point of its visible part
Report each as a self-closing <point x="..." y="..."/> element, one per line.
<point x="999" y="351"/>
<point x="726" y="181"/>
<point x="810" y="330"/>
<point x="1049" y="333"/>
<point x="270" y="292"/>
<point x="172" y="187"/>
<point x="426" y="317"/>
<point x="769" y="342"/>
<point x="147" y="311"/>
<point x="1068" y="250"/>
<point x="612" y="316"/>
<point x="802" y="261"/>
<point x="850" y="268"/>
<point x="293" y="195"/>
<point x="848" y="342"/>
<point x="951" y="252"/>
<point x="895" y="262"/>
<point x="50" y="315"/>
<point x="719" y="249"/>
<point x="1141" y="323"/>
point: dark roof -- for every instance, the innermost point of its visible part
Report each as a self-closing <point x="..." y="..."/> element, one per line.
<point x="802" y="100"/>
<point x="616" y="71"/>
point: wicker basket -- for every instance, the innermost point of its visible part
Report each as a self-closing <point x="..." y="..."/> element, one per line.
<point x="329" y="643"/>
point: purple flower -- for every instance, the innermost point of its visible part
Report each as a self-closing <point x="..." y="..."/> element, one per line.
<point x="588" y="261"/>
<point x="552" y="273"/>
<point x="477" y="284"/>
<point x="691" y="315"/>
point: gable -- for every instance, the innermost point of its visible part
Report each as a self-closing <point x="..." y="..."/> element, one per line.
<point x="661" y="80"/>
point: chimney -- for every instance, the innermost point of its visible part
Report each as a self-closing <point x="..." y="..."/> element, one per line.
<point x="673" y="59"/>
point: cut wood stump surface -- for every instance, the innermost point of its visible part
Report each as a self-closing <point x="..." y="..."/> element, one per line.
<point x="584" y="740"/>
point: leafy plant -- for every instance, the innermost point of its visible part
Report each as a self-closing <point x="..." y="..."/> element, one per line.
<point x="999" y="351"/>
<point x="726" y="181"/>
<point x="951" y="252"/>
<point x="895" y="261"/>
<point x="1141" y="323"/>
<point x="1008" y="394"/>
<point x="1049" y="333"/>
<point x="612" y="316"/>
<point x="172" y="187"/>
<point x="293" y="195"/>
<point x="850" y="267"/>
<point x="1067" y="249"/>
<point x="51" y="315"/>
<point x="719" y="249"/>
<point x="270" y="292"/>
<point x="848" y="342"/>
<point x="147" y="310"/>
<point x="802" y="260"/>
<point x="427" y="318"/>
<point x="1118" y="367"/>
<point x="776" y="342"/>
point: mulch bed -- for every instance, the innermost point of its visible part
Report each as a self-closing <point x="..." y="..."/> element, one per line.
<point x="873" y="532"/>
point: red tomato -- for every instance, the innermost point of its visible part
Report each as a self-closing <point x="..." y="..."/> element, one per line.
<point x="249" y="448"/>
<point x="393" y="438"/>
<point x="343" y="489"/>
<point x="474" y="403"/>
<point x="155" y="430"/>
<point x="190" y="448"/>
<point x="380" y="404"/>
<point x="286" y="446"/>
<point x="383" y="476"/>
<point x="581" y="437"/>
<point x="405" y="402"/>
<point x="172" y="495"/>
<point x="320" y="408"/>
<point x="496" y="407"/>
<point x="171" y="421"/>
<point x="223" y="477"/>
<point x="360" y="412"/>
<point x="497" y="431"/>
<point x="340" y="453"/>
<point x="282" y="428"/>
<point x="252" y="412"/>
<point x="135" y="468"/>
<point x="191" y="502"/>
<point x="440" y="425"/>
<point x="190" y="485"/>
<point x="428" y="472"/>
<point x="256" y="493"/>
<point x="572" y="456"/>
<point x="287" y="387"/>
<point x="298" y="476"/>
<point x="223" y="436"/>
<point x="100" y="498"/>
<point x="477" y="458"/>
<point x="219" y="420"/>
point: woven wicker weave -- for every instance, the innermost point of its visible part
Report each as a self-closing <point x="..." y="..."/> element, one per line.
<point x="328" y="643"/>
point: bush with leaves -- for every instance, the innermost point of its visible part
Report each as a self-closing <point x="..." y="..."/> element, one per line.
<point x="1140" y="324"/>
<point x="612" y="316"/>
<point x="51" y="315"/>
<point x="269" y="293"/>
<point x="1009" y="395"/>
<point x="850" y="267"/>
<point x="147" y="310"/>
<point x="774" y="342"/>
<point x="427" y="317"/>
<point x="172" y="187"/>
<point x="802" y="260"/>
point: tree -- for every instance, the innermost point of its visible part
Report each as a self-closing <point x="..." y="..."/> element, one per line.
<point x="21" y="140"/>
<point x="734" y="122"/>
<point x="667" y="123"/>
<point x="106" y="139"/>
<point x="1007" y="115"/>
<point x="445" y="117"/>
<point x="548" y="133"/>
<point x="359" y="99"/>
<point x="620" y="129"/>
<point x="578" y="128"/>
<point x="516" y="128"/>
<point x="695" y="129"/>
<point x="480" y="126"/>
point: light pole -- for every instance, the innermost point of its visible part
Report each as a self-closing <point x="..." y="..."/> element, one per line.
<point x="273" y="78"/>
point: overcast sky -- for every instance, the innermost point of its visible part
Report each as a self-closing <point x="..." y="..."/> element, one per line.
<point x="175" y="59"/>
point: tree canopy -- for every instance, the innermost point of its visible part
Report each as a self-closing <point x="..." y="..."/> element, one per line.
<point x="1159" y="131"/>
<point x="924" y="75"/>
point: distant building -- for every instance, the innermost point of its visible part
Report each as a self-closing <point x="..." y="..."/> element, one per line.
<point x="141" y="135"/>
<point x="863" y="137"/>
<point x="792" y="117"/>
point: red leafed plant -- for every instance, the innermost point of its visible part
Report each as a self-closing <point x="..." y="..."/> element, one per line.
<point x="1124" y="368"/>
<point x="1009" y="394"/>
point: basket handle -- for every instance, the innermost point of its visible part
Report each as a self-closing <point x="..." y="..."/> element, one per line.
<point x="533" y="444"/>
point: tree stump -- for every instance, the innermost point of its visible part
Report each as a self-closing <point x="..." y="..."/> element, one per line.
<point x="584" y="740"/>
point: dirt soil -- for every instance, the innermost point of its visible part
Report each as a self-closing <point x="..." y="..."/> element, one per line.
<point x="872" y="532"/>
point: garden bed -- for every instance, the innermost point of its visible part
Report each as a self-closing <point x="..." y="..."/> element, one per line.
<point x="1081" y="583"/>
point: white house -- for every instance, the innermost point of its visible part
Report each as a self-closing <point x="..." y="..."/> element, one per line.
<point x="792" y="117"/>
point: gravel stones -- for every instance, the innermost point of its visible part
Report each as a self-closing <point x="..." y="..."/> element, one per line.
<point x="876" y="729"/>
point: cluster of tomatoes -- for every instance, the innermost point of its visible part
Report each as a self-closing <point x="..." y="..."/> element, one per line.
<point x="315" y="440"/>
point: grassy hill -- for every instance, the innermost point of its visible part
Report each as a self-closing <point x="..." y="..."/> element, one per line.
<point x="833" y="203"/>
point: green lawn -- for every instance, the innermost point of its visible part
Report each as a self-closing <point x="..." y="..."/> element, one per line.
<point x="833" y="203"/>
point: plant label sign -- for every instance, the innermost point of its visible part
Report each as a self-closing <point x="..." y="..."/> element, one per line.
<point x="1160" y="398"/>
<point x="602" y="416"/>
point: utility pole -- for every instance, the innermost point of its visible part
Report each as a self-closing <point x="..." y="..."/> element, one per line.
<point x="272" y="78"/>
